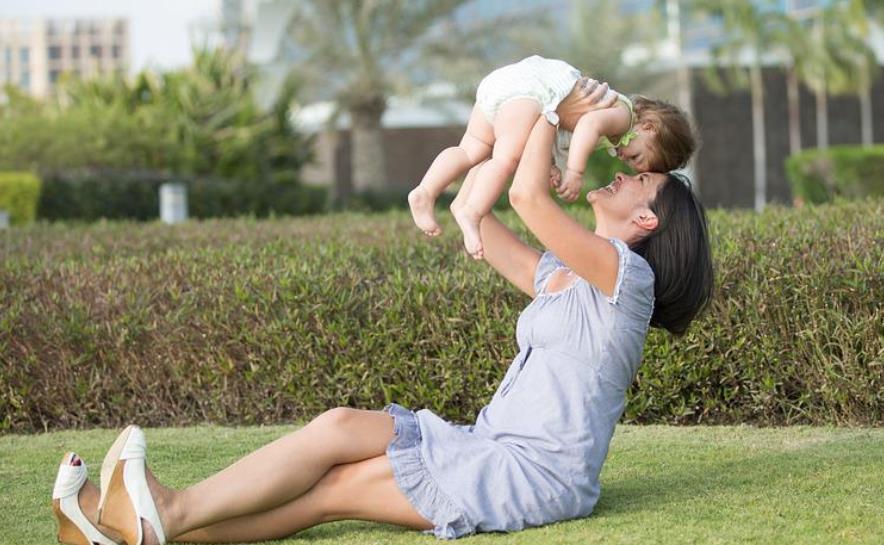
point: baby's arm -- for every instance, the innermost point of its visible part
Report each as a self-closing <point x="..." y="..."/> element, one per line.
<point x="610" y="122"/>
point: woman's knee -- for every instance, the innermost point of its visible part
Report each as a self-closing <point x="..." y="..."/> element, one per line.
<point x="352" y="423"/>
<point x="335" y="419"/>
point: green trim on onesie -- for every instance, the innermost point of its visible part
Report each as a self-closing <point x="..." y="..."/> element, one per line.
<point x="627" y="137"/>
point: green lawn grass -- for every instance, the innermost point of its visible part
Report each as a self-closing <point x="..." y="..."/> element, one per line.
<point x="661" y="484"/>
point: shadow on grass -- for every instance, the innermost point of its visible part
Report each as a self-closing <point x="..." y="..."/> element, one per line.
<point x="648" y="490"/>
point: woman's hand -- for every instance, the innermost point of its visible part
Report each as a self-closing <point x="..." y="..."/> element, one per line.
<point x="586" y="96"/>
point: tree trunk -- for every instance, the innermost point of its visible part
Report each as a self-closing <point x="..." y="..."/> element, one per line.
<point x="865" y="116"/>
<point x="758" y="141"/>
<point x="822" y="120"/>
<point x="342" y="188"/>
<point x="794" y="111"/>
<point x="367" y="151"/>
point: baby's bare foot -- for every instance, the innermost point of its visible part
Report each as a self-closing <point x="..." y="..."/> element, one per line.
<point x="469" y="224"/>
<point x="421" y="204"/>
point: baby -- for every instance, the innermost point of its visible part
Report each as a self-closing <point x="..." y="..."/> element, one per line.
<point x="646" y="134"/>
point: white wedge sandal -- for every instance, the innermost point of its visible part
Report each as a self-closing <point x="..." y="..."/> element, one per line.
<point x="125" y="496"/>
<point x="73" y="526"/>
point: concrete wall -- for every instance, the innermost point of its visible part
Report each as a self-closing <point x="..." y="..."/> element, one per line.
<point x="725" y="163"/>
<point x="408" y="153"/>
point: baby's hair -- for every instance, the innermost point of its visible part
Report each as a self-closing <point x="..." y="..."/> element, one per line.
<point x="675" y="140"/>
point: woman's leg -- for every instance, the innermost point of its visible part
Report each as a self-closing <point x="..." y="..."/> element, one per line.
<point x="474" y="147"/>
<point x="513" y="124"/>
<point x="276" y="473"/>
<point x="362" y="490"/>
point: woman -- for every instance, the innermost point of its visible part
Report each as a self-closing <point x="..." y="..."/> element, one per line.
<point x="535" y="452"/>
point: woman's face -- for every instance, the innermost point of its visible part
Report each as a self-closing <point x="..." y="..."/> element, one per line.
<point x="626" y="197"/>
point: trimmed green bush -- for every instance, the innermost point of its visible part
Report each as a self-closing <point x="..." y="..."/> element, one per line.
<point x="19" y="192"/>
<point x="852" y="172"/>
<point x="265" y="321"/>
<point x="134" y="195"/>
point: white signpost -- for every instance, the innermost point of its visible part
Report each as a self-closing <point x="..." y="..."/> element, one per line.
<point x="173" y="203"/>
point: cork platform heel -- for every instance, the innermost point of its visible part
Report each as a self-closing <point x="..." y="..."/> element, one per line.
<point x="73" y="526"/>
<point x="125" y="497"/>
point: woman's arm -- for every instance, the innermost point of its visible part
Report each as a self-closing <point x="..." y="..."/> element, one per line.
<point x="512" y="258"/>
<point x="587" y="254"/>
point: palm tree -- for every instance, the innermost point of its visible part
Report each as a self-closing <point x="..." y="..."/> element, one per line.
<point x="852" y="57"/>
<point x="750" y="29"/>
<point x="358" y="52"/>
<point x="793" y="38"/>
<point x="839" y="60"/>
<point x="595" y="38"/>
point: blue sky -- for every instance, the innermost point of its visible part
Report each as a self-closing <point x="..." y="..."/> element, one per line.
<point x="160" y="30"/>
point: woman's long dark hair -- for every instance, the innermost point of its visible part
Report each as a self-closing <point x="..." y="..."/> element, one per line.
<point x="679" y="254"/>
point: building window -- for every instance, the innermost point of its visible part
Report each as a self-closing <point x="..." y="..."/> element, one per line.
<point x="24" y="55"/>
<point x="53" y="76"/>
<point x="75" y="52"/>
<point x="115" y="52"/>
<point x="55" y="52"/>
<point x="95" y="50"/>
<point x="25" y="81"/>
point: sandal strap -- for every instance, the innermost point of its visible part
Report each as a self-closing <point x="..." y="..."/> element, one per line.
<point x="135" y="447"/>
<point x="69" y="480"/>
<point x="71" y="509"/>
<point x="135" y="481"/>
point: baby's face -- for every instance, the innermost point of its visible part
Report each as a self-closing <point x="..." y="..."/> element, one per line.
<point x="639" y="153"/>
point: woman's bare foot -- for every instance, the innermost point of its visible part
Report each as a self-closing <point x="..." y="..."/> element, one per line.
<point x="421" y="204"/>
<point x="468" y="221"/>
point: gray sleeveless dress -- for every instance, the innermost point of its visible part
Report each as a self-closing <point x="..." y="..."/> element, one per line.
<point x="535" y="452"/>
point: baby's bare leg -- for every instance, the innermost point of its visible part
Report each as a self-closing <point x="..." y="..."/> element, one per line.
<point x="461" y="198"/>
<point x="475" y="146"/>
<point x="512" y="125"/>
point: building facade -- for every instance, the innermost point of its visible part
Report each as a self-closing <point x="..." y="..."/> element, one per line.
<point x="34" y="54"/>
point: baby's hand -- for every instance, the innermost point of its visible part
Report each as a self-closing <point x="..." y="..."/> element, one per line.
<point x="569" y="189"/>
<point x="555" y="177"/>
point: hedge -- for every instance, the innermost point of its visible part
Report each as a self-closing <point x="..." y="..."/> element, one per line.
<point x="134" y="195"/>
<point x="246" y="321"/>
<point x="853" y="172"/>
<point x="19" y="192"/>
